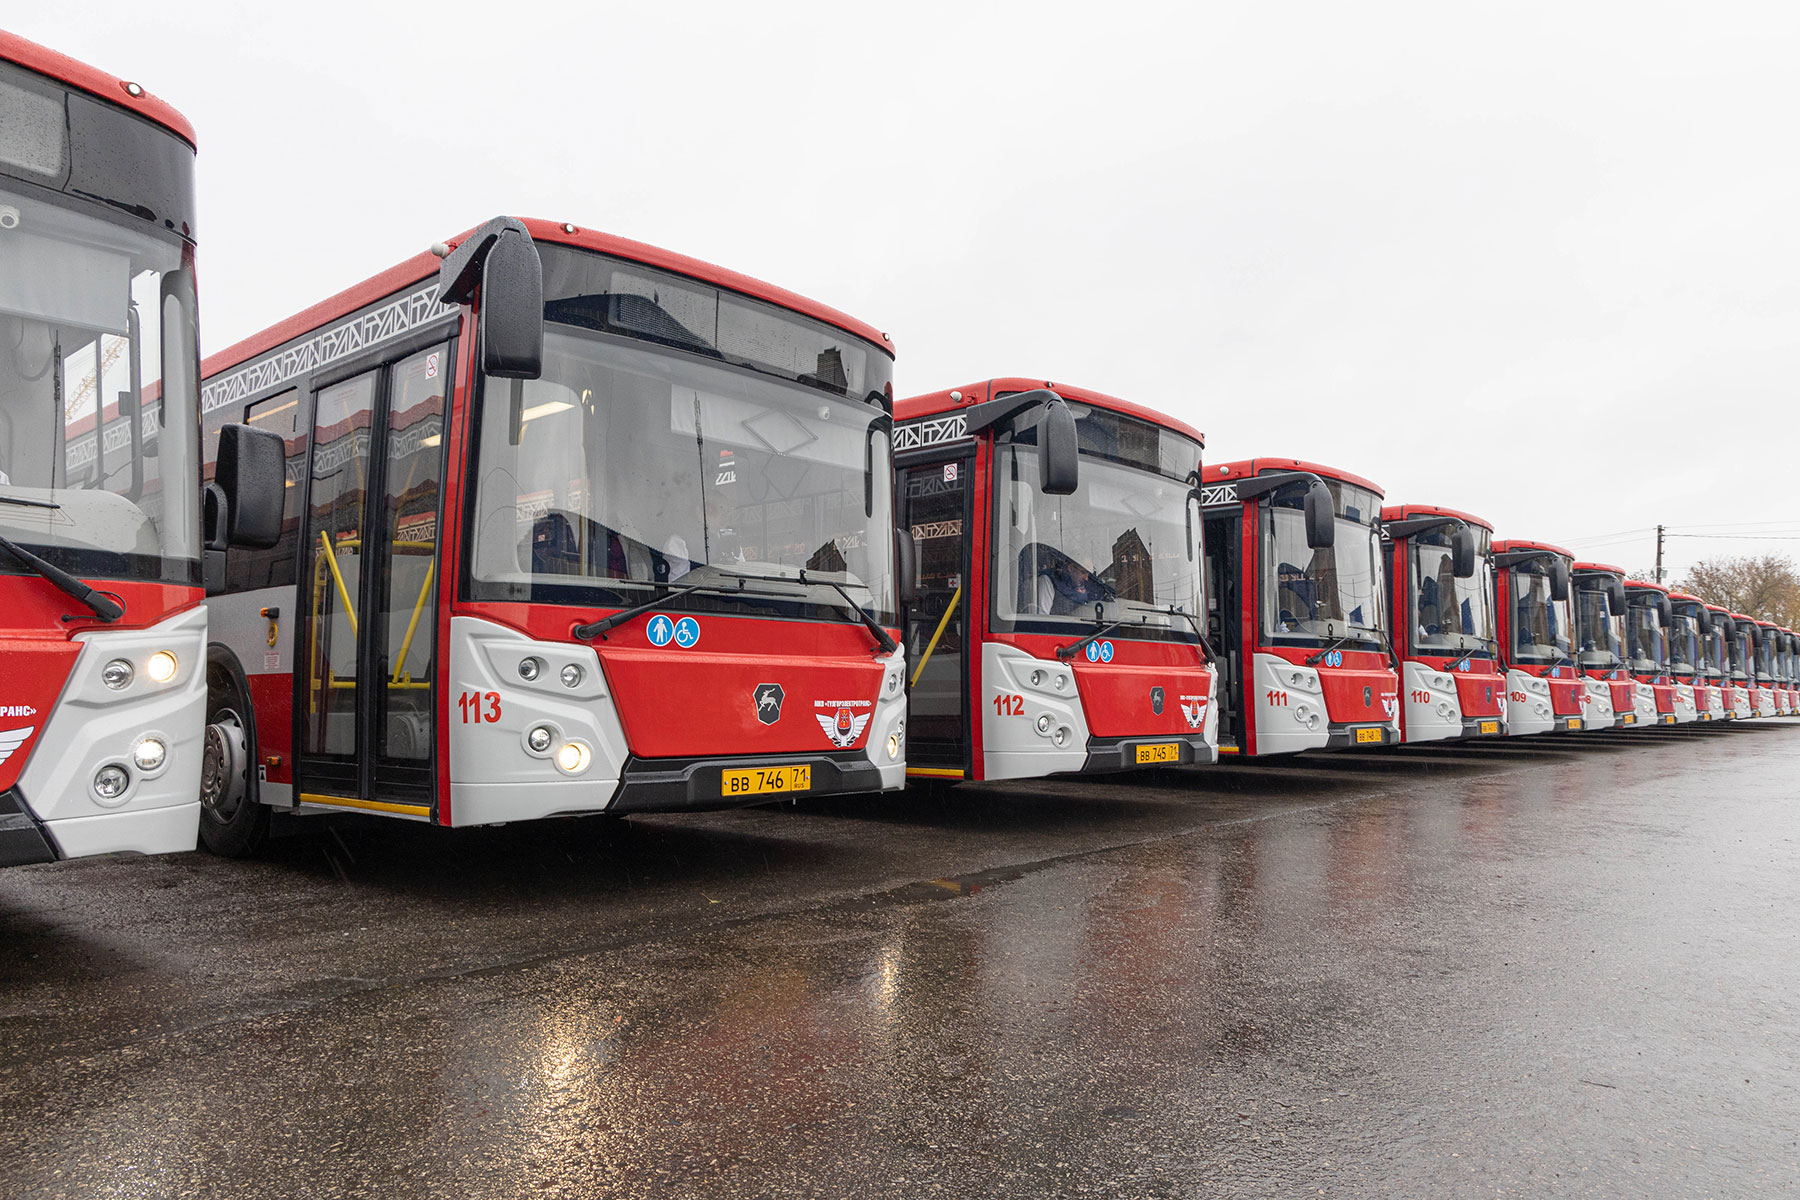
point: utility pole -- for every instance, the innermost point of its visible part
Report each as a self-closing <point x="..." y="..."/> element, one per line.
<point x="1659" y="542"/>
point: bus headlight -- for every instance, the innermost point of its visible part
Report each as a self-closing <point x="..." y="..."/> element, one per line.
<point x="1043" y="723"/>
<point x="572" y="675"/>
<point x="111" y="781"/>
<point x="116" y="674"/>
<point x="528" y="670"/>
<point x="539" y="738"/>
<point x="161" y="666"/>
<point x="150" y="754"/>
<point x="893" y="745"/>
<point x="573" y="758"/>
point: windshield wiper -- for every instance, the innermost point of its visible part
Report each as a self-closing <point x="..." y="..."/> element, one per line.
<point x="104" y="607"/>
<point x="1078" y="647"/>
<point x="1313" y="659"/>
<point x="23" y="502"/>
<point x="888" y="644"/>
<point x="598" y="628"/>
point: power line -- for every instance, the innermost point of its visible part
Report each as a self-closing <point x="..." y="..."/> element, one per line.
<point x="1746" y="537"/>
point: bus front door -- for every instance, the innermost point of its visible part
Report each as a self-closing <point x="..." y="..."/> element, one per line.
<point x="935" y="507"/>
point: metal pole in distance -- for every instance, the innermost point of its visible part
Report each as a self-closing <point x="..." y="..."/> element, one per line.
<point x="1659" y="548"/>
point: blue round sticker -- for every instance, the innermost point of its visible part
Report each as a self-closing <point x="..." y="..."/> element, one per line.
<point x="1335" y="659"/>
<point x="687" y="632"/>
<point x="1093" y="651"/>
<point x="1105" y="651"/>
<point x="660" y="629"/>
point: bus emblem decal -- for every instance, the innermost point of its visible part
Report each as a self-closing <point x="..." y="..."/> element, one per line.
<point x="843" y="727"/>
<point x="767" y="697"/>
<point x="1218" y="493"/>
<point x="1194" y="709"/>
<point x="1156" y="700"/>
<point x="932" y="431"/>
<point x="12" y="739"/>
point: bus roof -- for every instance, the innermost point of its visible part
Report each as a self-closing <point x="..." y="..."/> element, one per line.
<point x="1402" y="512"/>
<point x="1510" y="544"/>
<point x="1686" y="598"/>
<point x="976" y="393"/>
<point x="425" y="264"/>
<point x="1246" y="467"/>
<point x="1646" y="585"/>
<point x="1608" y="568"/>
<point x="94" y="82"/>
<point x="1711" y="607"/>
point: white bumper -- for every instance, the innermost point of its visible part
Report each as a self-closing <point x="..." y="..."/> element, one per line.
<point x="1012" y="744"/>
<point x="1596" y="704"/>
<point x="1433" y="708"/>
<point x="94" y="726"/>
<point x="1528" y="704"/>
<point x="1289" y="706"/>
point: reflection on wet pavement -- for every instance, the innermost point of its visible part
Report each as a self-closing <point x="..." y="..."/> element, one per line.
<point x="1570" y="971"/>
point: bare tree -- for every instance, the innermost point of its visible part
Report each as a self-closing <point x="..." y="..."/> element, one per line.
<point x="1766" y="586"/>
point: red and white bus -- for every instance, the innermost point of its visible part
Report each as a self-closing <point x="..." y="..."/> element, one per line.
<point x="1296" y="608"/>
<point x="574" y="525"/>
<point x="102" y="631"/>
<point x="1647" y="648"/>
<point x="1740" y="664"/>
<point x="1440" y="592"/>
<point x="1785" y="698"/>
<point x="1764" y="635"/>
<point x="1608" y="690"/>
<point x="1545" y="692"/>
<point x="1055" y="625"/>
<point x="1690" y="627"/>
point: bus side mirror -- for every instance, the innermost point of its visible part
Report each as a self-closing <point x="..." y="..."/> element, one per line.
<point x="512" y="310"/>
<point x="1615" y="598"/>
<point x="1703" y="621"/>
<point x="1321" y="517"/>
<point x="1559" y="580"/>
<point x="1665" y="608"/>
<point x="243" y="505"/>
<point x="906" y="561"/>
<point x="1462" y="553"/>
<point x="1058" y="450"/>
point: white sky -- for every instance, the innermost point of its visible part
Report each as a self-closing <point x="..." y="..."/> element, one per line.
<point x="1448" y="247"/>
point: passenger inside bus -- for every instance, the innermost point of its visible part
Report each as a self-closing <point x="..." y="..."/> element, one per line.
<point x="1052" y="583"/>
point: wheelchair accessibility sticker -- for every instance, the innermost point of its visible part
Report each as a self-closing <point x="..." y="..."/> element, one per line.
<point x="1099" y="651"/>
<point x="662" y="630"/>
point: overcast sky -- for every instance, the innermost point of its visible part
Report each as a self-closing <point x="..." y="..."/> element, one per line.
<point x="1540" y="262"/>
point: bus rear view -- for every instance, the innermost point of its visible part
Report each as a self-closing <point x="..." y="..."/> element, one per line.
<point x="1056" y="627"/>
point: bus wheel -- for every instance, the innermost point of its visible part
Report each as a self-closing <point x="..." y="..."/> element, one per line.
<point x="232" y="820"/>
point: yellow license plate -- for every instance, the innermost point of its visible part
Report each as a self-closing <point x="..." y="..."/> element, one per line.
<point x="757" y="780"/>
<point x="1160" y="752"/>
<point x="1574" y="722"/>
<point x="1668" y="718"/>
<point x="1368" y="735"/>
<point x="1490" y="727"/>
<point x="1630" y="719"/>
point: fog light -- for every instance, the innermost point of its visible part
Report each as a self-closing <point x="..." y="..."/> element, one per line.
<point x="116" y="674"/>
<point x="1059" y="681"/>
<point x="1063" y="735"/>
<point x="1043" y="723"/>
<point x="161" y="666"/>
<point x="573" y="758"/>
<point x="893" y="745"/>
<point x="149" y="754"/>
<point x="1037" y="679"/>
<point x="111" y="781"/>
<point x="893" y="684"/>
<point x="528" y="670"/>
<point x="539" y="738"/>
<point x="572" y="675"/>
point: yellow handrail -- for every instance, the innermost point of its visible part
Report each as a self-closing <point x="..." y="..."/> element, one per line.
<point x="343" y="592"/>
<point x="932" y="644"/>
<point x="406" y="642"/>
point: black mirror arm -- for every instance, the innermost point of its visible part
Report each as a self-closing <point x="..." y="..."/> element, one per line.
<point x="1006" y="410"/>
<point x="460" y="273"/>
<point x="1513" y="558"/>
<point x="1263" y="485"/>
<point x="1406" y="528"/>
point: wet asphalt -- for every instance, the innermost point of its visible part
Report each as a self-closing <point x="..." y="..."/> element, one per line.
<point x="1569" y="967"/>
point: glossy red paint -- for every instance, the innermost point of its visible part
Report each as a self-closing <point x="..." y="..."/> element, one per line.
<point x="421" y="267"/>
<point x="1245" y="467"/>
<point x="1480" y="685"/>
<point x="1480" y="693"/>
<point x="699" y="702"/>
<point x="1405" y="512"/>
<point x="933" y="403"/>
<point x="1115" y="696"/>
<point x="94" y="82"/>
<point x="1363" y="690"/>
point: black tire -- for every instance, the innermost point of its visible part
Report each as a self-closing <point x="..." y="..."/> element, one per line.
<point x="233" y="820"/>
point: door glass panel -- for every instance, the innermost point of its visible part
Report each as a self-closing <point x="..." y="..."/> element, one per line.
<point x="937" y="514"/>
<point x="407" y="591"/>
<point x="335" y="553"/>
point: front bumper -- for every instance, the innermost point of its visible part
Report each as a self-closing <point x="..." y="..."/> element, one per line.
<point x="1494" y="726"/>
<point x="694" y="785"/>
<point x="22" y="839"/>
<point x="1343" y="737"/>
<point x="1106" y="755"/>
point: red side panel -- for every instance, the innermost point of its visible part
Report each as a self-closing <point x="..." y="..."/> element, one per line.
<point x="32" y="674"/>
<point x="272" y="696"/>
<point x="1566" y="696"/>
<point x="1361" y="691"/>
<point x="1116" y="697"/>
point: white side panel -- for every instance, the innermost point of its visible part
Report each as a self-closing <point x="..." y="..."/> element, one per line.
<point x="1433" y="709"/>
<point x="93" y="726"/>
<point x="1685" y="709"/>
<point x="1643" y="703"/>
<point x="495" y="776"/>
<point x="1765" y="702"/>
<point x="890" y="719"/>
<point x="236" y="622"/>
<point x="1012" y="747"/>
<point x="1596" y="704"/>
<point x="1527" y="704"/>
<point x="1288" y="705"/>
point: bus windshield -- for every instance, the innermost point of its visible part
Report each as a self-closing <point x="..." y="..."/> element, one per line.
<point x="1321" y="595"/>
<point x="1451" y="614"/>
<point x="91" y="313"/>
<point x="1644" y="637"/>
<point x="1684" y="643"/>
<point x="1125" y="545"/>
<point x="626" y="466"/>
<point x="1540" y="624"/>
<point x="1601" y="632"/>
<point x="1765" y="656"/>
